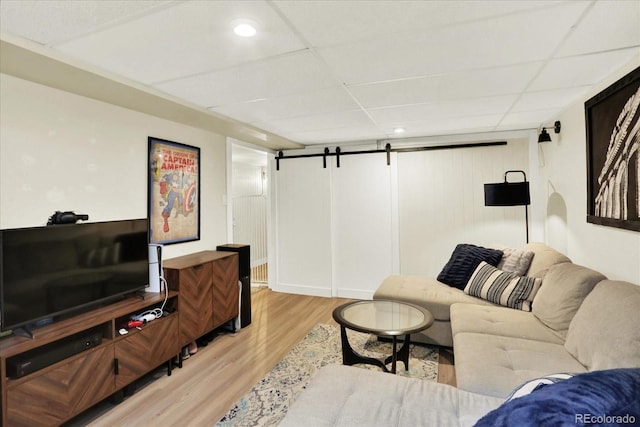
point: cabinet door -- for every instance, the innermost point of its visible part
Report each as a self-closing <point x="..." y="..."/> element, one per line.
<point x="58" y="394"/>
<point x="142" y="351"/>
<point x="195" y="302"/>
<point x="225" y="289"/>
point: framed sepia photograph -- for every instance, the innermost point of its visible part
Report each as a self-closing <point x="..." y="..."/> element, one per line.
<point x="613" y="154"/>
<point x="173" y="192"/>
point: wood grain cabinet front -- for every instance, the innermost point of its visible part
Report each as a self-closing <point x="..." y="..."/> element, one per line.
<point x="195" y="288"/>
<point x="62" y="386"/>
<point x="54" y="395"/>
<point x="208" y="285"/>
<point x="226" y="291"/>
<point x="142" y="351"/>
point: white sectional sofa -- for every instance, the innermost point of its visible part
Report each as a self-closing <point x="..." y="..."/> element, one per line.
<point x="580" y="322"/>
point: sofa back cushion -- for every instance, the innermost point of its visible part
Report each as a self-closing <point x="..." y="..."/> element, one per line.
<point x="563" y="289"/>
<point x="544" y="257"/>
<point x="605" y="332"/>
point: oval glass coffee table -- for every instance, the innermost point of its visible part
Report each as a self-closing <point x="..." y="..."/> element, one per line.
<point x="383" y="318"/>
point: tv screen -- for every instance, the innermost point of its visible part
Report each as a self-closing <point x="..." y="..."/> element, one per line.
<point x="46" y="272"/>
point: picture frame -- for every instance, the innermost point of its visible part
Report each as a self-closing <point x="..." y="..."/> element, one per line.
<point x="612" y="119"/>
<point x="173" y="206"/>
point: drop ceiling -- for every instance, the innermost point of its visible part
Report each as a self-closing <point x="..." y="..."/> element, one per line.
<point x="324" y="72"/>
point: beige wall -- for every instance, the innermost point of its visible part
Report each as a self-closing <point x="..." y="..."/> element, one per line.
<point x="60" y="151"/>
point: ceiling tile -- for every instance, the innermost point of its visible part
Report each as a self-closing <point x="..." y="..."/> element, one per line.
<point x="528" y="119"/>
<point x="553" y="99"/>
<point x="276" y="77"/>
<point x="326" y="23"/>
<point x="345" y="119"/>
<point x="298" y="104"/>
<point x="450" y="125"/>
<point x="397" y="116"/>
<point x="186" y="39"/>
<point x="433" y="67"/>
<point x="471" y="84"/>
<point x="482" y="44"/>
<point x="337" y="135"/>
<point x="608" y="25"/>
<point x="582" y="70"/>
<point x="59" y="20"/>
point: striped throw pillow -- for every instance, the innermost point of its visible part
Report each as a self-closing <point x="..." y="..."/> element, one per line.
<point x="497" y="286"/>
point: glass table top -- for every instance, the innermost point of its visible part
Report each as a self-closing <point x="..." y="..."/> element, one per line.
<point x="383" y="317"/>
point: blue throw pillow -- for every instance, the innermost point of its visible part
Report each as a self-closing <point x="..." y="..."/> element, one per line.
<point x="464" y="261"/>
<point x="608" y="398"/>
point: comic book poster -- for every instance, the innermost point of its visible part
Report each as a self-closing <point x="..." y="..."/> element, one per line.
<point x="174" y="192"/>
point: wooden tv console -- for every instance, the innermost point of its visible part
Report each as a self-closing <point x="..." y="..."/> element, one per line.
<point x="57" y="393"/>
<point x="208" y="297"/>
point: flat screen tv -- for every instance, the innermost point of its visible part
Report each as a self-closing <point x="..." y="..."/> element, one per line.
<point x="48" y="272"/>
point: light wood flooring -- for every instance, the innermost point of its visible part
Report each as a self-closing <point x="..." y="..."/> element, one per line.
<point x="218" y="375"/>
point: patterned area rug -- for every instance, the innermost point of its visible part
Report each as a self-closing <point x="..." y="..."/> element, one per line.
<point x="268" y="401"/>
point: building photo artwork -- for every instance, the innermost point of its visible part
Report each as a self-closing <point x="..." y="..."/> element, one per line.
<point x="613" y="154"/>
<point x="619" y="179"/>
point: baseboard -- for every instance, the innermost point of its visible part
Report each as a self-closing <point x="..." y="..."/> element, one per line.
<point x="354" y="293"/>
<point x="302" y="290"/>
<point x="323" y="292"/>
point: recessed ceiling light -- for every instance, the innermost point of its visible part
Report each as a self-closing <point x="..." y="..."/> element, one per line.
<point x="244" y="29"/>
<point x="398" y="130"/>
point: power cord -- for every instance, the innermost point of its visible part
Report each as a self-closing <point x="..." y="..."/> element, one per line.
<point x="158" y="312"/>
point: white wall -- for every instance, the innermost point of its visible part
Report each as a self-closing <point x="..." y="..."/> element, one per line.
<point x="60" y="151"/>
<point x="441" y="203"/>
<point x="613" y="251"/>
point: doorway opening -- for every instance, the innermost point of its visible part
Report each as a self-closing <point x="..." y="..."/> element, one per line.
<point x="249" y="195"/>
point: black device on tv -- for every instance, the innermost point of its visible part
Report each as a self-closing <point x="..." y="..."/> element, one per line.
<point x="34" y="360"/>
<point x="53" y="271"/>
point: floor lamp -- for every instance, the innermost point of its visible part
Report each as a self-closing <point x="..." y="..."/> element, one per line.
<point x="509" y="194"/>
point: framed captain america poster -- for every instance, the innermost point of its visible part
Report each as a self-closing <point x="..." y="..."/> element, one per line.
<point x="173" y="192"/>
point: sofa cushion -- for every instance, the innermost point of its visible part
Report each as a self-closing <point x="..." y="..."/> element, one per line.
<point x="426" y="292"/>
<point x="605" y="332"/>
<point x="464" y="260"/>
<point x="607" y="397"/>
<point x="563" y="289"/>
<point x="514" y="260"/>
<point x="500" y="321"/>
<point x="500" y="287"/>
<point x="346" y="396"/>
<point x="544" y="257"/>
<point x="495" y="365"/>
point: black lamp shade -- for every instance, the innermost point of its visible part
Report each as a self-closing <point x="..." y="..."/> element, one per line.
<point x="507" y="194"/>
<point x="544" y="135"/>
